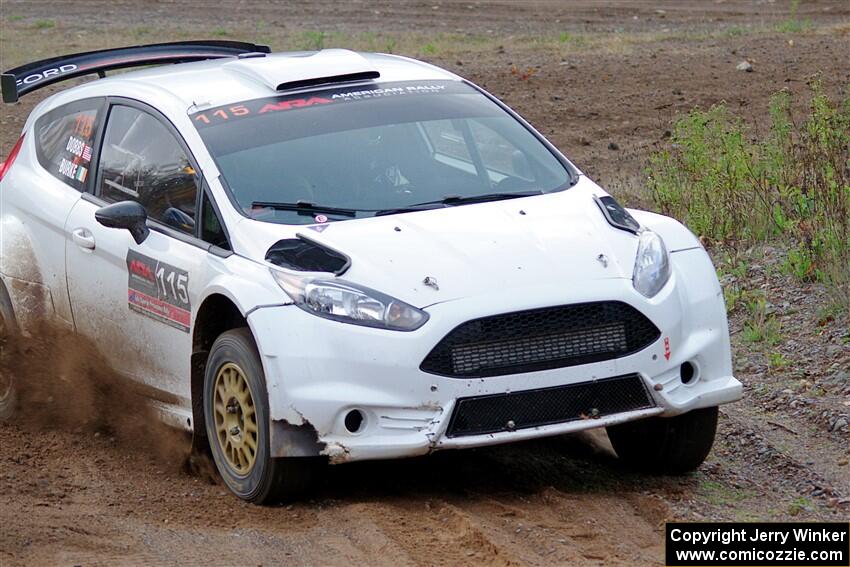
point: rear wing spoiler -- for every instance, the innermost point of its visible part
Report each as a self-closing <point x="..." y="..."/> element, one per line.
<point x="24" y="79"/>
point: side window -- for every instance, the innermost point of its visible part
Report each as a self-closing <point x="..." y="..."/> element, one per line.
<point x="211" y="228"/>
<point x="142" y="161"/>
<point x="64" y="141"/>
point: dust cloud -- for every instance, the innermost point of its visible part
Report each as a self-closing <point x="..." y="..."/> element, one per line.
<point x="64" y="383"/>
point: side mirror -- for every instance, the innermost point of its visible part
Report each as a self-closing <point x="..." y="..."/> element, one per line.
<point x="176" y="218"/>
<point x="128" y="215"/>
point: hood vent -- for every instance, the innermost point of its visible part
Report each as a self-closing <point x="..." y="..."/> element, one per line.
<point x="289" y="71"/>
<point x="616" y="215"/>
<point x="303" y="255"/>
<point x="319" y="81"/>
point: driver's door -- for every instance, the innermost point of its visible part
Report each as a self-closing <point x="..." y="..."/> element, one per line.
<point x="135" y="300"/>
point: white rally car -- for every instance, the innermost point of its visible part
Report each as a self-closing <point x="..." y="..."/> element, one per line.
<point x="335" y="256"/>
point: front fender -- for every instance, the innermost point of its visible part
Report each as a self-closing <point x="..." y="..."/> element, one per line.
<point x="249" y="285"/>
<point x="676" y="235"/>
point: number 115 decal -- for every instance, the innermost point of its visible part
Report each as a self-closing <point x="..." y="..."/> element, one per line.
<point x="160" y="291"/>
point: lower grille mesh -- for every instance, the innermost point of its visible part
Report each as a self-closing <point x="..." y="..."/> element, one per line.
<point x="524" y="351"/>
<point x="561" y="404"/>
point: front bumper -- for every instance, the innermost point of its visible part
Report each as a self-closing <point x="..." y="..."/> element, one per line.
<point x="317" y="370"/>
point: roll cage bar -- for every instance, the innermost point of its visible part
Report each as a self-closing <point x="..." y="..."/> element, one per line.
<point x="30" y="77"/>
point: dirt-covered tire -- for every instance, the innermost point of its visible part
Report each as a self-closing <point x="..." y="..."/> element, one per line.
<point x="8" y="397"/>
<point x="236" y="412"/>
<point x="666" y="445"/>
<point x="8" y="394"/>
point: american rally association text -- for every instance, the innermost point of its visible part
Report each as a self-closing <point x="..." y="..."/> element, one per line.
<point x="726" y="536"/>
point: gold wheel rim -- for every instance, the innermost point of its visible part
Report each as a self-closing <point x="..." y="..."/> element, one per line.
<point x="235" y="419"/>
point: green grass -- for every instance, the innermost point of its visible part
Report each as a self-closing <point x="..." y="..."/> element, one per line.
<point x="735" y="31"/>
<point x="731" y="265"/>
<point x="761" y="327"/>
<point x="390" y="45"/>
<point x="798" y="505"/>
<point x="767" y="332"/>
<point x="800" y="263"/>
<point x="737" y="297"/>
<point x="312" y="40"/>
<point x="748" y="516"/>
<point x="829" y="313"/>
<point x="720" y="494"/>
<point x="736" y="267"/>
<point x="793" y="24"/>
<point x="732" y="296"/>
<point x="581" y="42"/>
<point x="44" y="24"/>
<point x="777" y="360"/>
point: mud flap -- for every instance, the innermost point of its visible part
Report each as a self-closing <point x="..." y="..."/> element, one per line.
<point x="200" y="443"/>
<point x="34" y="303"/>
<point x="7" y="312"/>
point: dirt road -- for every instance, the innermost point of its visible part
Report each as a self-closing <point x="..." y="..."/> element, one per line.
<point x="603" y="82"/>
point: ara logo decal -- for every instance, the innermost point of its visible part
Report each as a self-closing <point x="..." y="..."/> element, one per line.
<point x="667" y="348"/>
<point x="321" y="219"/>
<point x="296" y="103"/>
<point x="141" y="269"/>
<point x="248" y="109"/>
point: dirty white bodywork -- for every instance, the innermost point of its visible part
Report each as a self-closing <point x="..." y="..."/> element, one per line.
<point x="487" y="259"/>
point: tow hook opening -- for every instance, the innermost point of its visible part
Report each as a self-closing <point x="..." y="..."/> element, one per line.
<point x="354" y="421"/>
<point x="688" y="372"/>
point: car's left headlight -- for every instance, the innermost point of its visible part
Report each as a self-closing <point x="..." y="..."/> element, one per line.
<point x="349" y="303"/>
<point x="652" y="266"/>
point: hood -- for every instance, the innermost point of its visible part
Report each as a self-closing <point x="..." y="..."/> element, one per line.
<point x="473" y="249"/>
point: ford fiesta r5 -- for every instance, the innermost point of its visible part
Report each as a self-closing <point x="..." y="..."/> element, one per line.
<point x="332" y="256"/>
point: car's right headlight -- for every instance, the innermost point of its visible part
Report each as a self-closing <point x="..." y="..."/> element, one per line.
<point x="348" y="302"/>
<point x="652" y="266"/>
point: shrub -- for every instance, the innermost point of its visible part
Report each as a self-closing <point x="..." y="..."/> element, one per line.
<point x="792" y="184"/>
<point x="313" y="40"/>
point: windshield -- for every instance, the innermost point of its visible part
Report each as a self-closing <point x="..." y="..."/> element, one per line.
<point x="354" y="152"/>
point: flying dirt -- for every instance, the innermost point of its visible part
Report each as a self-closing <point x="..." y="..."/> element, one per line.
<point x="64" y="384"/>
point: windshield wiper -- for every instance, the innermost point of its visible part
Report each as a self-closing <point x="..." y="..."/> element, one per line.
<point x="304" y="208"/>
<point x="455" y="200"/>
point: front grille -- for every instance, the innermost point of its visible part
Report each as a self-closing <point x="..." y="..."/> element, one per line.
<point x="541" y="339"/>
<point x="534" y="408"/>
